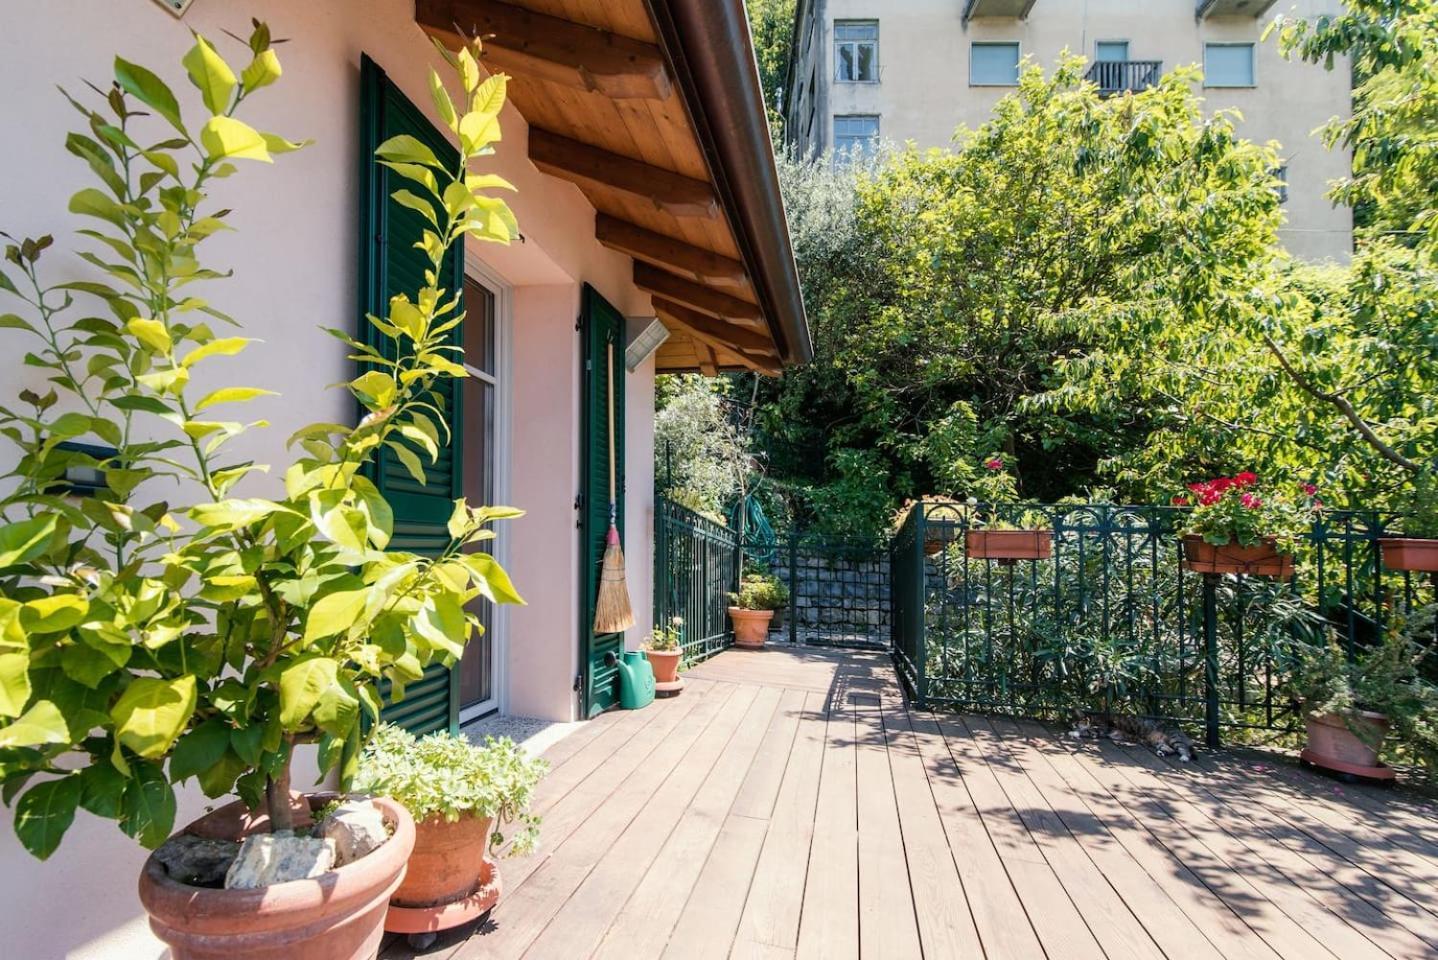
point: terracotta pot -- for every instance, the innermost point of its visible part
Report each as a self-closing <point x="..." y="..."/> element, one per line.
<point x="1009" y="544"/>
<point x="447" y="863"/>
<point x="933" y="546"/>
<point x="1259" y="560"/>
<point x="1410" y="553"/>
<point x="1333" y="745"/>
<point x="751" y="627"/>
<point x="339" y="916"/>
<point x="665" y="664"/>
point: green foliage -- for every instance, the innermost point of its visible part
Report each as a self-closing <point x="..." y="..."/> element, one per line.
<point x="771" y="27"/>
<point x="666" y="637"/>
<point x="702" y="458"/>
<point x="142" y="642"/>
<point x="447" y="777"/>
<point x="758" y="591"/>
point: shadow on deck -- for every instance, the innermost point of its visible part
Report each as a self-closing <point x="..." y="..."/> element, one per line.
<point x="790" y="804"/>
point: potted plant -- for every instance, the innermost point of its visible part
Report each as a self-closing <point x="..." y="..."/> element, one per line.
<point x="1239" y="526"/>
<point x="945" y="510"/>
<point x="145" y="643"/>
<point x="1002" y="537"/>
<point x="753" y="606"/>
<point x="664" y="648"/>
<point x="1417" y="548"/>
<point x="1352" y="704"/>
<point x="462" y="797"/>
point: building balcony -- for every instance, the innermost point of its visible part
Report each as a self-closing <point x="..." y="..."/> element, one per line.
<point x="1233" y="8"/>
<point x="997" y="8"/>
<point x="1123" y="76"/>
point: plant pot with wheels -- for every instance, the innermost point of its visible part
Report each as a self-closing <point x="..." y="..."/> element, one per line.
<point x="664" y="649"/>
<point x="1348" y="742"/>
<point x="1409" y="553"/>
<point x="1009" y="545"/>
<point x="457" y="792"/>
<point x="1241" y="526"/>
<point x="752" y="608"/>
<point x="338" y="915"/>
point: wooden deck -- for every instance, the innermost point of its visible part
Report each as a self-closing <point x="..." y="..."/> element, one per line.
<point x="789" y="805"/>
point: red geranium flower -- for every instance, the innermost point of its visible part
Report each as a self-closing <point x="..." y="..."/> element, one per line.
<point x="1179" y="501"/>
<point x="1246" y="479"/>
<point x="996" y="463"/>
<point x="1310" y="489"/>
<point x="1251" y="500"/>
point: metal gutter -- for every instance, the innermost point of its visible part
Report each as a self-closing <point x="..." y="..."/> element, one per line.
<point x="711" y="59"/>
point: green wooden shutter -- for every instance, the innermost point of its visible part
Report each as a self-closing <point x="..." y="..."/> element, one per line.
<point x="600" y="325"/>
<point x="390" y="264"/>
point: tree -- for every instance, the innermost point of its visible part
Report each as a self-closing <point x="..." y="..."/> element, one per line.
<point x="771" y="26"/>
<point x="702" y="458"/>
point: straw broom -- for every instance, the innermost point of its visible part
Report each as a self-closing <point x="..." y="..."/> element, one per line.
<point x="612" y="613"/>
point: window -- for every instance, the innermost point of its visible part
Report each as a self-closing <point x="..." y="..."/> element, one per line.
<point x="1110" y="51"/>
<point x="855" y="135"/>
<point x="1281" y="188"/>
<point x="1228" y="65"/>
<point x="856" y="51"/>
<point x="479" y="394"/>
<point x="993" y="64"/>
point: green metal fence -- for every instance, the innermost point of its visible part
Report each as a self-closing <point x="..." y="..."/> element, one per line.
<point x="696" y="566"/>
<point x="1111" y="619"/>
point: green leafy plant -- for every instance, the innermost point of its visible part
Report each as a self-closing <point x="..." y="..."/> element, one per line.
<point x="144" y="643"/>
<point x="1387" y="679"/>
<point x="447" y="777"/>
<point x="759" y="591"/>
<point x="1241" y="510"/>
<point x="666" y="637"/>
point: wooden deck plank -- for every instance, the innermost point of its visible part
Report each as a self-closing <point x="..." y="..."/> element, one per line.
<point x="829" y="921"/>
<point x="1220" y="923"/>
<point x="1321" y="926"/>
<point x="545" y="890"/>
<point x="887" y="924"/>
<point x="940" y="902"/>
<point x="707" y="926"/>
<point x="776" y="894"/>
<point x="1000" y="917"/>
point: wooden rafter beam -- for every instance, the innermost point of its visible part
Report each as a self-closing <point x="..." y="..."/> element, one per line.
<point x="542" y="47"/>
<point x="707" y="364"/>
<point x="665" y="251"/>
<point x="584" y="164"/>
<point x="695" y="295"/>
<point x="701" y="326"/>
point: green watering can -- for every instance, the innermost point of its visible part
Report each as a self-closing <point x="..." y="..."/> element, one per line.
<point x="636" y="680"/>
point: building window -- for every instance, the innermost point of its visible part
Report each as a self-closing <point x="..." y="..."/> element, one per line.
<point x="1281" y="187"/>
<point x="855" y="135"/>
<point x="1110" y="51"/>
<point x="993" y="64"/>
<point x="1228" y="65"/>
<point x="856" y="51"/>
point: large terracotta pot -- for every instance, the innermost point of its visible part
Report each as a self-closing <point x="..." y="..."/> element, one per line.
<point x="665" y="664"/>
<point x="1410" y="553"/>
<point x="1259" y="560"/>
<point x="1009" y="544"/>
<point x="339" y="916"/>
<point x="751" y="627"/>
<point x="1333" y="745"/>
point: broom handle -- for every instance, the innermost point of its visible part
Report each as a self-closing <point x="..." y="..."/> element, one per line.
<point x="609" y="379"/>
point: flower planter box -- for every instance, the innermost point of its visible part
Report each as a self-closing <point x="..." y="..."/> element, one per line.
<point x="1333" y="746"/>
<point x="1410" y="553"/>
<point x="1009" y="545"/>
<point x="751" y="627"/>
<point x="1259" y="560"/>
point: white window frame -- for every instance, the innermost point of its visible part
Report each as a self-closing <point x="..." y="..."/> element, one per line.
<point x="873" y="141"/>
<point x="1018" y="61"/>
<point x="855" y="44"/>
<point x="1252" y="64"/>
<point x="503" y="381"/>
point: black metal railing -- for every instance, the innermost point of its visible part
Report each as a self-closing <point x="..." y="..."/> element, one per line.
<point x="1123" y="76"/>
<point x="1112" y="617"/>
<point x="696" y="565"/>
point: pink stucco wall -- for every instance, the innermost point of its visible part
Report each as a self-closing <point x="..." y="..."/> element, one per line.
<point x="294" y="261"/>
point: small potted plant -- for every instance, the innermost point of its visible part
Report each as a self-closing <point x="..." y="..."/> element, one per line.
<point x="462" y="797"/>
<point x="1354" y="705"/>
<point x="1002" y="537"/>
<point x="753" y="606"/>
<point x="663" y="648"/>
<point x="1239" y="526"/>
<point x="1417" y="548"/>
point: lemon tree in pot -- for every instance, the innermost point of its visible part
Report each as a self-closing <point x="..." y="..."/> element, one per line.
<point x="752" y="607"/>
<point x="463" y="798"/>
<point x="1378" y="700"/>
<point x="145" y="643"/>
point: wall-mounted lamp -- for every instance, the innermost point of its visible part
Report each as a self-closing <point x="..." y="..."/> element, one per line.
<point x="645" y="342"/>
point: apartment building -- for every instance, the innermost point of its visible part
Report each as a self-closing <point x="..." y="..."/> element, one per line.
<point x="865" y="71"/>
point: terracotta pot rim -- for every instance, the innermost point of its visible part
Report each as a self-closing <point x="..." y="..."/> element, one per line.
<point x="746" y="612"/>
<point x="1335" y="718"/>
<point x="1401" y="538"/>
<point x="219" y="911"/>
<point x="663" y="653"/>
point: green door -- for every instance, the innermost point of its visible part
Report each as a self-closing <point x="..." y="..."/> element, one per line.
<point x="601" y="326"/>
<point x="390" y="264"/>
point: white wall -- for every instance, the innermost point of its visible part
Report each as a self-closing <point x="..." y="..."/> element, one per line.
<point x="294" y="257"/>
